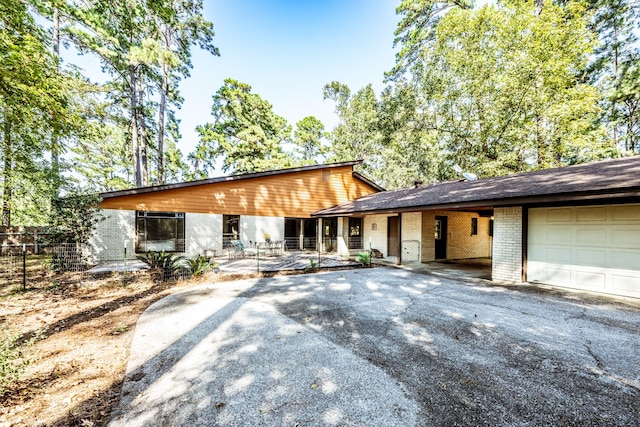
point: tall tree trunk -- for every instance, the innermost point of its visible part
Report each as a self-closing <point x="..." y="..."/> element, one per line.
<point x="144" y="163"/>
<point x="7" y="191"/>
<point x="133" y="99"/>
<point x="55" y="143"/>
<point x="161" y="109"/>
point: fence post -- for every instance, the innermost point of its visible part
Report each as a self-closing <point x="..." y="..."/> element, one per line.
<point x="124" y="270"/>
<point x="24" y="267"/>
<point x="35" y="241"/>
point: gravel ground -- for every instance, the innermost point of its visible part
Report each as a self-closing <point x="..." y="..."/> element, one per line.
<point x="382" y="347"/>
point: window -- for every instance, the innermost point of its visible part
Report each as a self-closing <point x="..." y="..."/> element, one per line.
<point x="159" y="231"/>
<point x="474" y="226"/>
<point x="355" y="233"/>
<point x="491" y="227"/>
<point x="230" y="229"/>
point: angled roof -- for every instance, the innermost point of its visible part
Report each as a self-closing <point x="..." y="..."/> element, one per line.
<point x="607" y="179"/>
<point x="143" y="190"/>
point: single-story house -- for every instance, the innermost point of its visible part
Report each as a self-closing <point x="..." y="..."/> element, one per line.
<point x="193" y="217"/>
<point x="575" y="226"/>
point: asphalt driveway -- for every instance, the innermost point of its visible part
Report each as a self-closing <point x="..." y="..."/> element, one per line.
<point x="381" y="347"/>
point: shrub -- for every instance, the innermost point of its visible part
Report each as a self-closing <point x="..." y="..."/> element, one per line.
<point x="200" y="264"/>
<point x="170" y="264"/>
<point x="364" y="258"/>
<point x="312" y="267"/>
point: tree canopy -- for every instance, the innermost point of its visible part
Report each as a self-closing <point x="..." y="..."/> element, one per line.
<point x="513" y="86"/>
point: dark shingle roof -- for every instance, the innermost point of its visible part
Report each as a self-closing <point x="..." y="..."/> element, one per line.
<point x="154" y="188"/>
<point x="605" y="179"/>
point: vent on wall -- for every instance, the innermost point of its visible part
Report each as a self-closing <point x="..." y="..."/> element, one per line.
<point x="326" y="175"/>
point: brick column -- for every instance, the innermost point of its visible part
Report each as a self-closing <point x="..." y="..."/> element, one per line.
<point x="507" y="245"/>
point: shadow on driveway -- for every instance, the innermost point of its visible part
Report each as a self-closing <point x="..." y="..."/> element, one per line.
<point x="381" y="347"/>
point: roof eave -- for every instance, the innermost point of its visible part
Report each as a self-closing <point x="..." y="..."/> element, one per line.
<point x="605" y="195"/>
<point x="368" y="181"/>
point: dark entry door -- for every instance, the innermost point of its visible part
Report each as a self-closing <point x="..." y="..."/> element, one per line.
<point x="441" y="237"/>
<point x="392" y="236"/>
<point x="330" y="234"/>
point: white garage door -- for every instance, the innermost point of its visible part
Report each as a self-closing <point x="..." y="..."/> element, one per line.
<point x="594" y="248"/>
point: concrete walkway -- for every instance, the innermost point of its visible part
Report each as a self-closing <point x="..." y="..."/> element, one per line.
<point x="381" y="347"/>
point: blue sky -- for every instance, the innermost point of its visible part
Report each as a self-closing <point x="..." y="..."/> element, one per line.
<point x="287" y="50"/>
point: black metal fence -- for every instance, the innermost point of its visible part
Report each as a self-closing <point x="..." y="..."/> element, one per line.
<point x="40" y="266"/>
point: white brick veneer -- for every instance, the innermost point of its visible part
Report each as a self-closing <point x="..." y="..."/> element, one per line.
<point x="202" y="232"/>
<point x="110" y="235"/>
<point x="411" y="237"/>
<point x="507" y="245"/>
<point x="377" y="237"/>
<point x="253" y="228"/>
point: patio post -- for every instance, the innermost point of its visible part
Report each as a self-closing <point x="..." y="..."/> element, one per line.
<point x="399" y="238"/>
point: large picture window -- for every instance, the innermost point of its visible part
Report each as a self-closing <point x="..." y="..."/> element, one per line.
<point x="160" y="231"/>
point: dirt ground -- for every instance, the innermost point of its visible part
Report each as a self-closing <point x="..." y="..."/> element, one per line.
<point x="80" y="356"/>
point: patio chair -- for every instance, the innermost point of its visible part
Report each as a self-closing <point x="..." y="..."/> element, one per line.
<point x="277" y="247"/>
<point x="237" y="250"/>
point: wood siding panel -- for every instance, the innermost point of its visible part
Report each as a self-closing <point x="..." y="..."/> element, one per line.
<point x="288" y="195"/>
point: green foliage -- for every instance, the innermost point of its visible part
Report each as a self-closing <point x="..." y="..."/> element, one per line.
<point x="308" y="138"/>
<point x="615" y="71"/>
<point x="364" y="258"/>
<point x="14" y="358"/>
<point x="170" y="264"/>
<point x="74" y="218"/>
<point x="199" y="264"/>
<point x="312" y="267"/>
<point x="245" y="133"/>
<point x="357" y="136"/>
<point x="36" y="109"/>
<point x="417" y="29"/>
<point x="498" y="89"/>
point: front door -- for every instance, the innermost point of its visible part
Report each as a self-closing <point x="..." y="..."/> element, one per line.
<point x="330" y="234"/>
<point x="441" y="237"/>
<point x="392" y="236"/>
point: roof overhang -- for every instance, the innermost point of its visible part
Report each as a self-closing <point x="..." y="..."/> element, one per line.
<point x="623" y="195"/>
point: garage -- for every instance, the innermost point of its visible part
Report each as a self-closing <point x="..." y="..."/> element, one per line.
<point x="593" y="248"/>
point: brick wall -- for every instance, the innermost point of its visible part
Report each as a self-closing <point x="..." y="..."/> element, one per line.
<point x="378" y="237"/>
<point x="428" y="240"/>
<point x="108" y="240"/>
<point x="253" y="228"/>
<point x="411" y="236"/>
<point x="507" y="245"/>
<point x="461" y="244"/>
<point x="202" y="232"/>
